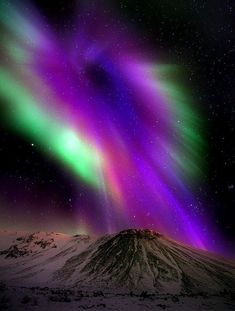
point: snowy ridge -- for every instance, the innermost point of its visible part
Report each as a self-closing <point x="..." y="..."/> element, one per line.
<point x="38" y="255"/>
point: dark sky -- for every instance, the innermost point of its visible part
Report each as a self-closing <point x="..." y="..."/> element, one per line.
<point x="198" y="35"/>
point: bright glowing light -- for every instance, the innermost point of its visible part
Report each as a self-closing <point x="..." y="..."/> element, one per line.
<point x="117" y="121"/>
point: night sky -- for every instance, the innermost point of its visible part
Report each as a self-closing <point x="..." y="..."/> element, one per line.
<point x="40" y="192"/>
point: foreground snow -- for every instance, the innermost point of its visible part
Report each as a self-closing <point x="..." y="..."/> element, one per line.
<point x="18" y="298"/>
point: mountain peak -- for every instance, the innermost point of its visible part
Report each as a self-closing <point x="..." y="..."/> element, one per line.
<point x="140" y="233"/>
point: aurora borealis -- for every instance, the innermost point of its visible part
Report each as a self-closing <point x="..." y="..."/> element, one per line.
<point x="103" y="108"/>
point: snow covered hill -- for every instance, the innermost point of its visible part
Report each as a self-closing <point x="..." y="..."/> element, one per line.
<point x="132" y="259"/>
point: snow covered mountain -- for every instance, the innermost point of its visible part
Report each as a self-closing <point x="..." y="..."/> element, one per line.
<point x="146" y="260"/>
<point x="130" y="260"/>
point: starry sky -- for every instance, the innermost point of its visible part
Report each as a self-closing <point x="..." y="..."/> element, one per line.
<point x="146" y="91"/>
